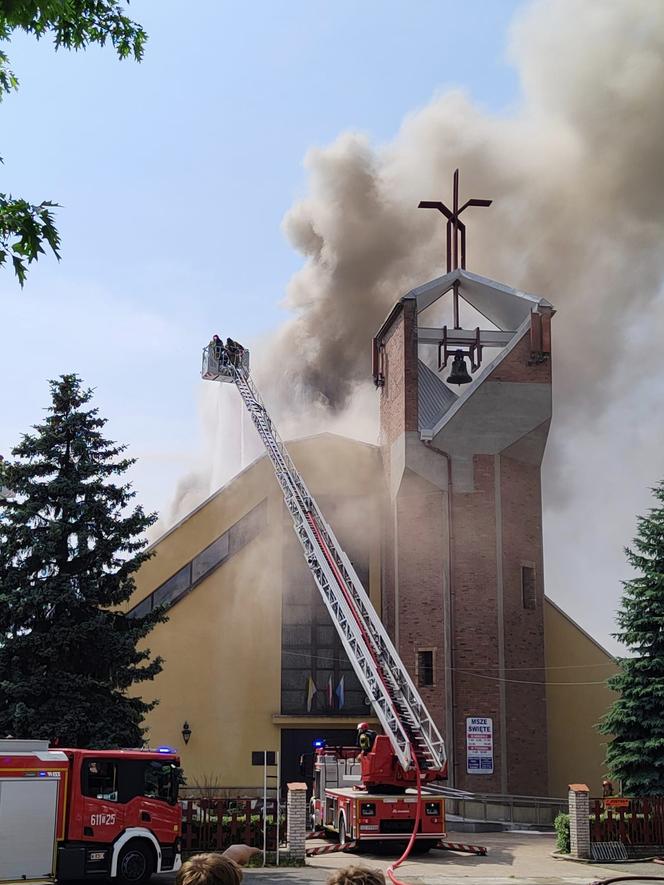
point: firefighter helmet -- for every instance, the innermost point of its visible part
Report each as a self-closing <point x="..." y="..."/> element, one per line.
<point x="363" y="726"/>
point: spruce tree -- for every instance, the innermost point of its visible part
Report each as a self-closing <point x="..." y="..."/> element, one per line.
<point x="635" y="755"/>
<point x="70" y="544"/>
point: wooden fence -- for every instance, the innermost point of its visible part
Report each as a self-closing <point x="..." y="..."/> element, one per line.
<point x="630" y="821"/>
<point x="212" y="824"/>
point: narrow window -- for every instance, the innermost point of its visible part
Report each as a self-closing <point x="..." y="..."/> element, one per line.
<point x="425" y="668"/>
<point x="528" y="595"/>
<point x="100" y="779"/>
<point x="173" y="588"/>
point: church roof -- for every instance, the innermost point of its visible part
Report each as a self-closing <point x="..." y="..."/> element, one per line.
<point x="433" y="395"/>
<point x="502" y="305"/>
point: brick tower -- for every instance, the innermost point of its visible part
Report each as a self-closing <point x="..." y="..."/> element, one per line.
<point x="463" y="583"/>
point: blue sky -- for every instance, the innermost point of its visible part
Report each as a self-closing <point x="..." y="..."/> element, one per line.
<point x="174" y="176"/>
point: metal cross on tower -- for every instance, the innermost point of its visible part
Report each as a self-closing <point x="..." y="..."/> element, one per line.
<point x="456" y="231"/>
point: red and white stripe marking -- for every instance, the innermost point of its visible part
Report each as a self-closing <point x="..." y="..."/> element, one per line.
<point x="329" y="849"/>
<point x="316" y="834"/>
<point x="461" y="846"/>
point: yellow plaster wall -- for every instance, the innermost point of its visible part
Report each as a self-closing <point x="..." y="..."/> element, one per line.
<point x="222" y="651"/>
<point x="576" y="749"/>
<point x="222" y="643"/>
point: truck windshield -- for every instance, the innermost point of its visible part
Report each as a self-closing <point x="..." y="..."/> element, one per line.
<point x="162" y="781"/>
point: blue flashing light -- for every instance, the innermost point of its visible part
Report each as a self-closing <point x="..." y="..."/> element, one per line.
<point x="42" y="774"/>
<point x="319" y="743"/>
<point x="165" y="750"/>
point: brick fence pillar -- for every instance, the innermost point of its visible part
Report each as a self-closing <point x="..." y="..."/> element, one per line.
<point x="579" y="820"/>
<point x="296" y="821"/>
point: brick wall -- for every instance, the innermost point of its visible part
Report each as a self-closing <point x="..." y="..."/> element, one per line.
<point x="496" y="530"/>
<point x="515" y="366"/>
<point x="421" y="512"/>
<point x="524" y="628"/>
<point x="296" y="821"/>
<point x="475" y="619"/>
<point x="398" y="396"/>
<point x="413" y="524"/>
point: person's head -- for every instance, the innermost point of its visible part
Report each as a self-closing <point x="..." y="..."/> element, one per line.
<point x="356" y="876"/>
<point x="363" y="726"/>
<point x="209" y="869"/>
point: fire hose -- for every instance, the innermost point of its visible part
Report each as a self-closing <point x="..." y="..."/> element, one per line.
<point x="418" y="816"/>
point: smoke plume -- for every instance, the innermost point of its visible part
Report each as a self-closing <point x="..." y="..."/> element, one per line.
<point x="577" y="178"/>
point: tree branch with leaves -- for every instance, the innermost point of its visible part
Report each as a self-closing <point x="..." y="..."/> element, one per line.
<point x="27" y="228"/>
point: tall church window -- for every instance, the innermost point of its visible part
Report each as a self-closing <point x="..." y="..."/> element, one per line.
<point x="528" y="590"/>
<point x="425" y="674"/>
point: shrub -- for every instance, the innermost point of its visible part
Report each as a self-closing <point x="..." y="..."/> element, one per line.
<point x="561" y="825"/>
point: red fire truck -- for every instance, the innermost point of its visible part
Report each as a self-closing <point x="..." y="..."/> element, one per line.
<point x="370" y="798"/>
<point x="83" y="814"/>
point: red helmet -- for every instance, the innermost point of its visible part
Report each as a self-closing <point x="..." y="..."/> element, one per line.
<point x="363" y="726"/>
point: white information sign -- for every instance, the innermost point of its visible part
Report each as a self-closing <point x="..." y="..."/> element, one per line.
<point x="479" y="745"/>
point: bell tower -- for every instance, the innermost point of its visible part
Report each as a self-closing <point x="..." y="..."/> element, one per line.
<point x="463" y="587"/>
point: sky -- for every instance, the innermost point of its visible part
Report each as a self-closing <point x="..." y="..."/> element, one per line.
<point x="174" y="176"/>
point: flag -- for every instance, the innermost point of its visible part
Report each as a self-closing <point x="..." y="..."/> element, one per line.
<point x="340" y="692"/>
<point x="311" y="691"/>
<point x="330" y="693"/>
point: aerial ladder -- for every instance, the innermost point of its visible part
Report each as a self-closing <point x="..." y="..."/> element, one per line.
<point x="416" y="743"/>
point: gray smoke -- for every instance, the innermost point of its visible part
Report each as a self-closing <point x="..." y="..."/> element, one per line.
<point x="577" y="181"/>
<point x="577" y="178"/>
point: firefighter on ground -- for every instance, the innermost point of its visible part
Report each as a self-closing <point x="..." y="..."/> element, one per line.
<point x="365" y="737"/>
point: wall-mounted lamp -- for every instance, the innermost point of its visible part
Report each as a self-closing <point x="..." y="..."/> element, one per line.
<point x="186" y="732"/>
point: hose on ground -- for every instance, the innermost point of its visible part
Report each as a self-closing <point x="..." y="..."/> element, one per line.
<point x="418" y="817"/>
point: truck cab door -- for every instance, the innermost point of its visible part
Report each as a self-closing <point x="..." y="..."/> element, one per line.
<point x="150" y="792"/>
<point x="100" y="816"/>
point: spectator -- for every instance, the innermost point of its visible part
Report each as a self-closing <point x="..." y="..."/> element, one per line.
<point x="356" y="876"/>
<point x="215" y="869"/>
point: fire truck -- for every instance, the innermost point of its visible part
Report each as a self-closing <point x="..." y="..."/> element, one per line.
<point x="85" y="814"/>
<point x="375" y="795"/>
<point x="366" y="798"/>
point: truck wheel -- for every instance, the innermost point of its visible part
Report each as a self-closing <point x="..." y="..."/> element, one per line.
<point x="135" y="864"/>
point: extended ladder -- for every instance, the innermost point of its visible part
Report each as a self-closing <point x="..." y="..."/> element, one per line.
<point x="382" y="674"/>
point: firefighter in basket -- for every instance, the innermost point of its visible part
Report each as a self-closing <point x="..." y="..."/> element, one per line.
<point x="234" y="351"/>
<point x="215" y="353"/>
<point x="365" y="738"/>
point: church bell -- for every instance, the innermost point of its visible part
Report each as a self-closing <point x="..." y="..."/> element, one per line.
<point x="459" y="373"/>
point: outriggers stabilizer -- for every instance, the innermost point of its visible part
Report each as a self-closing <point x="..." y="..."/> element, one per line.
<point x="411" y="750"/>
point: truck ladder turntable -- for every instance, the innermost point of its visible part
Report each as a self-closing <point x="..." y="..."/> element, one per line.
<point x="400" y="710"/>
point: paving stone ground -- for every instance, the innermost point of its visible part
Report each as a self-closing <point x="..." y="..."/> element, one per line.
<point x="512" y="859"/>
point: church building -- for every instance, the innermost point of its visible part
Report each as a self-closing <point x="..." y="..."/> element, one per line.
<point x="442" y="520"/>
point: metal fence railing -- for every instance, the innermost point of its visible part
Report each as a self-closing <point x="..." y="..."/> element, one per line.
<point x="502" y="808"/>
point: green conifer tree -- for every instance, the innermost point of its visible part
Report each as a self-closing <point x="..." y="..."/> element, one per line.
<point x="635" y="755"/>
<point x="70" y="544"/>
